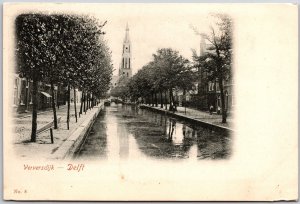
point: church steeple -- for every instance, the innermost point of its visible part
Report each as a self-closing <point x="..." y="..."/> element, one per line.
<point x="125" y="66"/>
<point x="126" y="39"/>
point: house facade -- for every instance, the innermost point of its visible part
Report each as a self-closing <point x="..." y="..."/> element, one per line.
<point x="22" y="95"/>
<point x="207" y="93"/>
<point x="210" y="93"/>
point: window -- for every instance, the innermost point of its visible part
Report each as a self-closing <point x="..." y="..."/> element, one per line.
<point x="219" y="101"/>
<point x="226" y="100"/>
<point x="129" y="64"/>
<point x="127" y="74"/>
<point x="210" y="86"/>
<point x="217" y="87"/>
<point x="23" y="92"/>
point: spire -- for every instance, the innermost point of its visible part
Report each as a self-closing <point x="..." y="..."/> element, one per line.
<point x="127" y="34"/>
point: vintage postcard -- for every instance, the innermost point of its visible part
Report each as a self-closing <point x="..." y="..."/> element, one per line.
<point x="150" y="102"/>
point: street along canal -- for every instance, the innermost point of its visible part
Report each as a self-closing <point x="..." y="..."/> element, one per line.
<point x="125" y="132"/>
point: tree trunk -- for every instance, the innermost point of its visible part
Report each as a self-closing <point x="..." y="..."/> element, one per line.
<point x="53" y="105"/>
<point x="220" y="80"/>
<point x="75" y="108"/>
<point x="152" y="100"/>
<point x="166" y="99"/>
<point x="68" y="113"/>
<point x="88" y="101"/>
<point x="81" y="105"/>
<point x="27" y="95"/>
<point x="84" y="103"/>
<point x="156" y="102"/>
<point x="224" y="111"/>
<point x="161" y="100"/>
<point x="34" y="109"/>
<point x="171" y="105"/>
<point x="184" y="100"/>
<point x="57" y="96"/>
<point x="91" y="102"/>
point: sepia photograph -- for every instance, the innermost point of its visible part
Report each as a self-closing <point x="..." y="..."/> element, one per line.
<point x="146" y="102"/>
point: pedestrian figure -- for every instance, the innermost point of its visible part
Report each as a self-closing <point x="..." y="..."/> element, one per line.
<point x="211" y="109"/>
<point x="219" y="110"/>
<point x="175" y="106"/>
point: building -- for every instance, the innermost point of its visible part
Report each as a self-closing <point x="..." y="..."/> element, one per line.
<point x="125" y="69"/>
<point x="209" y="91"/>
<point x="22" y="96"/>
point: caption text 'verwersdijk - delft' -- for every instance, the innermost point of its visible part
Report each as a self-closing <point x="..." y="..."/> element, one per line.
<point x="50" y="167"/>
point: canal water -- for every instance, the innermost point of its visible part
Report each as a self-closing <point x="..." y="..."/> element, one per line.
<point x="125" y="132"/>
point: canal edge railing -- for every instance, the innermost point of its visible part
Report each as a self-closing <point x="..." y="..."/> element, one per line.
<point x="190" y="119"/>
<point x="67" y="149"/>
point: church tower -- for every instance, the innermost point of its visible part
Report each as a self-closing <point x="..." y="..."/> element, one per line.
<point x="125" y="65"/>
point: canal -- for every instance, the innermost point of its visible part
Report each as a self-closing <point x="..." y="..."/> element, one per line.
<point x="124" y="132"/>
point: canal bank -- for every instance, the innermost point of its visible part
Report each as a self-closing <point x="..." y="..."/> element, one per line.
<point x="73" y="142"/>
<point x="206" y="120"/>
<point x="65" y="141"/>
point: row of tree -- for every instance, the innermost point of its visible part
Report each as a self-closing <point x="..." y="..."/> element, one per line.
<point x="65" y="50"/>
<point x="168" y="70"/>
<point x="158" y="79"/>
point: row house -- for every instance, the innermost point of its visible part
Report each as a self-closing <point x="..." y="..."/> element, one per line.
<point x="210" y="93"/>
<point x="22" y="96"/>
<point x="207" y="93"/>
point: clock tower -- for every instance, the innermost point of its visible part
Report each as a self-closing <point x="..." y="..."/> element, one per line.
<point x="126" y="62"/>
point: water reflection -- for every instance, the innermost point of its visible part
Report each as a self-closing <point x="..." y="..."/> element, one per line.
<point x="123" y="141"/>
<point x="133" y="133"/>
<point x="95" y="145"/>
